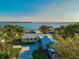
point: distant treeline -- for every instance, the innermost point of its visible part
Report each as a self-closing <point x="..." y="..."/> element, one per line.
<point x="68" y="31"/>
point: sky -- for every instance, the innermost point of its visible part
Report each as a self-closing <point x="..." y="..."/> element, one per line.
<point x="39" y="10"/>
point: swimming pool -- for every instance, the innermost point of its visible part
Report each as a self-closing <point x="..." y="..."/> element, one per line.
<point x="28" y="54"/>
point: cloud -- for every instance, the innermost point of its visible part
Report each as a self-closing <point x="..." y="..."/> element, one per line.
<point x="64" y="9"/>
<point x="25" y="19"/>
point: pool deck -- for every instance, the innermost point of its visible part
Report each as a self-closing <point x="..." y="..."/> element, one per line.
<point x="17" y="46"/>
<point x="24" y="49"/>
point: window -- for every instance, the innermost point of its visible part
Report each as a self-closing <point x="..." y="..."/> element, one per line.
<point x="31" y="38"/>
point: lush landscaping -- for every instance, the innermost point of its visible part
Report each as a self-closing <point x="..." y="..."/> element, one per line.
<point x="9" y="33"/>
<point x="68" y="48"/>
<point x="68" y="41"/>
<point x="7" y="52"/>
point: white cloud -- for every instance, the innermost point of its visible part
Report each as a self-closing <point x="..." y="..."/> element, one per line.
<point x="24" y="19"/>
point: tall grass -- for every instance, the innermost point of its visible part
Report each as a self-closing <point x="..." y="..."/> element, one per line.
<point x="68" y="48"/>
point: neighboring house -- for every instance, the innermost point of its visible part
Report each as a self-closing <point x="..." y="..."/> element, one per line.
<point x="51" y="32"/>
<point x="35" y="31"/>
<point x="32" y="31"/>
<point x="38" y="32"/>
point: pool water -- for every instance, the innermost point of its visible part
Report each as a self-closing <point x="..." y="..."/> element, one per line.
<point x="28" y="54"/>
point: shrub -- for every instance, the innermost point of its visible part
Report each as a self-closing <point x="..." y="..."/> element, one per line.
<point x="68" y="48"/>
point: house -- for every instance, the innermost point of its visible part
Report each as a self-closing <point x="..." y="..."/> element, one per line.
<point x="29" y="38"/>
<point x="46" y="41"/>
<point x="33" y="37"/>
<point x="42" y="41"/>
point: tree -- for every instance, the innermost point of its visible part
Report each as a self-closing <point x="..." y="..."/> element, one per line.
<point x="11" y="32"/>
<point x="69" y="30"/>
<point x="45" y="29"/>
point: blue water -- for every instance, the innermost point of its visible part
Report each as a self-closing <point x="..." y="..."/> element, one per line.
<point x="34" y="25"/>
<point x="28" y="54"/>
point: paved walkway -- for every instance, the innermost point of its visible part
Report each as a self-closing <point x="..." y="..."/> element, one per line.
<point x="24" y="49"/>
